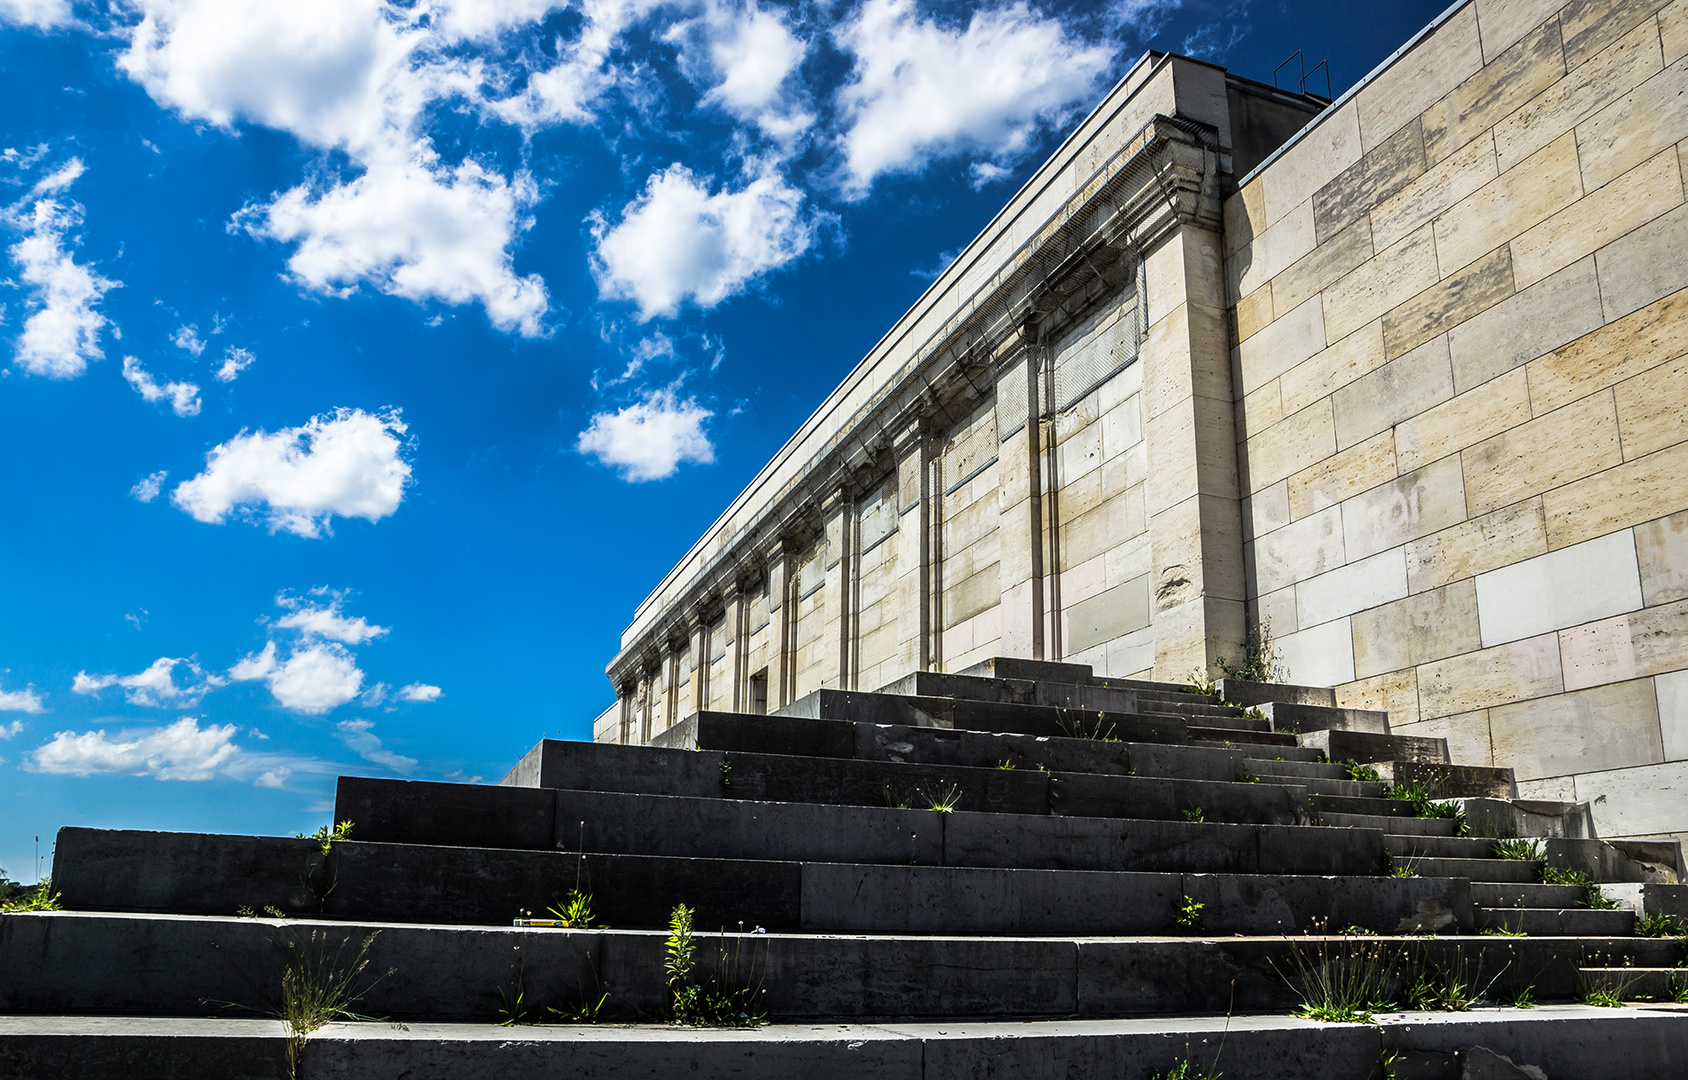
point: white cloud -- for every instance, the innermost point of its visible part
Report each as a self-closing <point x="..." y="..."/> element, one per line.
<point x="182" y="751"/>
<point x="415" y="229"/>
<point x="419" y="692"/>
<point x="649" y="439"/>
<point x="62" y="333"/>
<point x="148" y="487"/>
<point x="567" y="92"/>
<point x="920" y="90"/>
<point x="235" y="361"/>
<point x="28" y="701"/>
<point x="316" y="678"/>
<point x="359" y="737"/>
<point x="349" y="463"/>
<point x="156" y="686"/>
<point x="41" y="14"/>
<point x="677" y="241"/>
<point x="183" y="396"/>
<point x="357" y="76"/>
<point x="743" y="56"/>
<point x="8" y="730"/>
<point x="187" y="338"/>
<point x="325" y="622"/>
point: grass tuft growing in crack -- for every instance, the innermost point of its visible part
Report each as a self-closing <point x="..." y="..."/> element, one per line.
<point x="730" y="996"/>
<point x="320" y="984"/>
<point x="1520" y="850"/>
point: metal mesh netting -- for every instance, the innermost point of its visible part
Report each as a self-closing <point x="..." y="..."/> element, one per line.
<point x="1095" y="353"/>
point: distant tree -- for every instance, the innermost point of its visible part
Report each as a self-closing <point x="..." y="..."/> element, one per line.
<point x="9" y="889"/>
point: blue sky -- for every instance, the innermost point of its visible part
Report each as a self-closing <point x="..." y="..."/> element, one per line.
<point x="363" y="364"/>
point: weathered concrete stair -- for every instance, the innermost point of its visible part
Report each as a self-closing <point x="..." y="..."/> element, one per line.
<point x="1100" y="849"/>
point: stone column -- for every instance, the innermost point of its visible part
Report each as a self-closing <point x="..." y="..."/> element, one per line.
<point x="1192" y="496"/>
<point x="671" y="668"/>
<point x="836" y="513"/>
<point x="697" y="694"/>
<point x="626" y="697"/>
<point x="912" y="608"/>
<point x="777" y="560"/>
<point x="734" y="623"/>
<point x="1019" y="494"/>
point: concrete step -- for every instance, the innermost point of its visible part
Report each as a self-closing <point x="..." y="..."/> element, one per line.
<point x="1514" y="895"/>
<point x="1640" y="984"/>
<point x="850" y="782"/>
<point x="1317" y="785"/>
<point x="1558" y="922"/>
<point x="1286" y="766"/>
<point x="744" y="733"/>
<point x="199" y="874"/>
<point x="1493" y="870"/>
<point x="1563" y="1040"/>
<point x="1232" y="736"/>
<point x="1399" y="826"/>
<point x="1012" y="691"/>
<point x="1439" y="847"/>
<point x="1375" y="806"/>
<point x="171" y="965"/>
<point x="970" y="715"/>
<point x="1366" y="746"/>
<point x="469" y="815"/>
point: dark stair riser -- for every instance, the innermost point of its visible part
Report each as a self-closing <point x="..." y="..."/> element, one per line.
<point x="170" y="967"/>
<point x="418" y="812"/>
<point x="172" y="873"/>
<point x="848" y="782"/>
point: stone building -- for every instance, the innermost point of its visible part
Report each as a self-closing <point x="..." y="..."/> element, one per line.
<point x="1403" y="375"/>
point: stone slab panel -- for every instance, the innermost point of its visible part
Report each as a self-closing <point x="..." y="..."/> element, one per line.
<point x="1351" y="194"/>
<point x="1292" y="338"/>
<point x="1517" y="671"/>
<point x="1650" y="413"/>
<point x="1362" y="584"/>
<point x="1322" y="266"/>
<point x="1547" y="315"/>
<point x="1651" y="118"/>
<point x="1646" y="801"/>
<point x="1662" y="549"/>
<point x="1108" y="615"/>
<point x="1404" y="387"/>
<point x="1416" y="630"/>
<point x="1464" y="420"/>
<point x="1659" y="638"/>
<point x="1299" y="551"/>
<point x="1318" y="156"/>
<point x="1540" y="187"/>
<point x="1320" y="655"/>
<point x="1502" y="22"/>
<point x="1636" y="343"/>
<point x="1563" y="588"/>
<point x="1295" y="443"/>
<point x="1592" y="25"/>
<point x="1503" y="85"/>
<point x="1413" y="505"/>
<point x="1458" y="297"/>
<point x="1467" y="736"/>
<point x="1358" y="354"/>
<point x="1645" y="265"/>
<point x="1672" y="692"/>
<point x="1394" y="692"/>
<point x="1393" y="276"/>
<point x="1607" y="727"/>
<point x="1673" y="31"/>
<point x="1548" y="452"/>
<point x="1629" y="494"/>
<point x="1347" y="473"/>
<point x="1585" y="90"/>
<point x="1272" y="252"/>
<point x="1442" y="186"/>
<point x="1597" y="653"/>
<point x="1638" y="196"/>
<point x="1437" y="64"/>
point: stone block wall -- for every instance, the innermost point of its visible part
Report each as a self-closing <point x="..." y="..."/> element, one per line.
<point x="1460" y="371"/>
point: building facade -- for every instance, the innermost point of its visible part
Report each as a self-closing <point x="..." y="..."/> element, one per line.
<point x="1402" y="376"/>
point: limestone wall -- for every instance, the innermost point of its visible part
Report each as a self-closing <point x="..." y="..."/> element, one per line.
<point x="1460" y="378"/>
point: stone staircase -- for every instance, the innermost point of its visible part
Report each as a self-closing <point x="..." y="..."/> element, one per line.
<point x="1016" y="870"/>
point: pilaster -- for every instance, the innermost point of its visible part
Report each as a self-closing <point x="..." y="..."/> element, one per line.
<point x="776" y="559"/>
<point x="1192" y="496"/>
